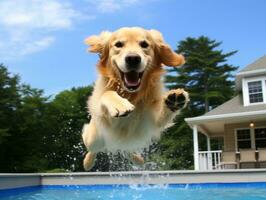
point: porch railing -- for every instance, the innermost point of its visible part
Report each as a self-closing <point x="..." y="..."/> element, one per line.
<point x="209" y="160"/>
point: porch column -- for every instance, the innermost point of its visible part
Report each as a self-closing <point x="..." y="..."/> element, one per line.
<point x="209" y="154"/>
<point x="196" y="147"/>
<point x="208" y="143"/>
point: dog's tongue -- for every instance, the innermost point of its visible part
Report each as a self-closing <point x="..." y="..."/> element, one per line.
<point x="132" y="78"/>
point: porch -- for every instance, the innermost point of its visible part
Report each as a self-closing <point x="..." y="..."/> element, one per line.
<point x="242" y="134"/>
<point x="212" y="160"/>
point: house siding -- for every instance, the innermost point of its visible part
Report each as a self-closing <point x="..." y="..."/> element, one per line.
<point x="229" y="133"/>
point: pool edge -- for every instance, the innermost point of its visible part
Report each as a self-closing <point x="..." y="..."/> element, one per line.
<point x="11" y="181"/>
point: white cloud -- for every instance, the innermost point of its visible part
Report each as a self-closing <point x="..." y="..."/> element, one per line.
<point x="36" y="14"/>
<point x="109" y="6"/>
<point x="38" y="45"/>
<point x="27" y="25"/>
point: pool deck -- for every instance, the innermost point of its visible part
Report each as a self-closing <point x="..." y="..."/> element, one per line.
<point x="20" y="180"/>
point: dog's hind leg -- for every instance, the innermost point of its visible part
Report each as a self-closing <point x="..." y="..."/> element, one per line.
<point x="137" y="159"/>
<point x="93" y="144"/>
<point x="89" y="160"/>
<point x="91" y="138"/>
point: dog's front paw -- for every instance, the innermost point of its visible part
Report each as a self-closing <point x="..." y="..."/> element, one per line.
<point x="121" y="109"/>
<point x="176" y="99"/>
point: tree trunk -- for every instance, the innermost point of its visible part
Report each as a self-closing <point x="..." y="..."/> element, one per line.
<point x="207" y="104"/>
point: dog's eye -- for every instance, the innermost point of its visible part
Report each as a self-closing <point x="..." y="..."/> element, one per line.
<point x="144" y="44"/>
<point x="119" y="44"/>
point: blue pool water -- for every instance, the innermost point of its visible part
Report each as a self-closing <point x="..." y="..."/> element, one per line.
<point x="251" y="191"/>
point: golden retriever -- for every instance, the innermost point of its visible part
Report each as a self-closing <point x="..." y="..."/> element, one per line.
<point x="128" y="106"/>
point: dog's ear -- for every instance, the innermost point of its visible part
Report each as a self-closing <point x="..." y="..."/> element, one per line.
<point x="166" y="55"/>
<point x="97" y="43"/>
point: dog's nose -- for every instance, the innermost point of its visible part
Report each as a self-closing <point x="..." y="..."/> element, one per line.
<point x="133" y="60"/>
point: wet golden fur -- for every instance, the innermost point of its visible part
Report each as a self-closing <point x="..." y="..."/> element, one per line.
<point x="108" y="128"/>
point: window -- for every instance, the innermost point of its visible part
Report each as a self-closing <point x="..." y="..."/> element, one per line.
<point x="260" y="137"/>
<point x="243" y="139"/>
<point x="255" y="92"/>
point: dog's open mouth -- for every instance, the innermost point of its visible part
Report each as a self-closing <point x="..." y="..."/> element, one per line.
<point x="132" y="80"/>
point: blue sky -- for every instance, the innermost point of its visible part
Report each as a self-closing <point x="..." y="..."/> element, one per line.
<point x="43" y="40"/>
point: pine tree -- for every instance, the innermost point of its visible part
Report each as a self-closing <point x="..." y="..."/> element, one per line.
<point x="206" y="75"/>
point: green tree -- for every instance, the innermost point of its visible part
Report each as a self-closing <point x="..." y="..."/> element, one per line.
<point x="67" y="114"/>
<point x="209" y="80"/>
<point x="38" y="133"/>
<point x="22" y="125"/>
<point x="9" y="101"/>
<point x="31" y="129"/>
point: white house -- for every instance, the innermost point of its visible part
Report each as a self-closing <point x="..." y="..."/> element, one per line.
<point x="239" y="122"/>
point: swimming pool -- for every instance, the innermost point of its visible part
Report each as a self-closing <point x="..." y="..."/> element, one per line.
<point x="248" y="184"/>
<point x="223" y="191"/>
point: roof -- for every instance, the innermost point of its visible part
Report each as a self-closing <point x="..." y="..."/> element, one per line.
<point x="257" y="68"/>
<point x="233" y="108"/>
<point x="235" y="105"/>
<point x="257" y="65"/>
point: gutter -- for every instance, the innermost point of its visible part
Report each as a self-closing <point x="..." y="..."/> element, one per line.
<point x="224" y="116"/>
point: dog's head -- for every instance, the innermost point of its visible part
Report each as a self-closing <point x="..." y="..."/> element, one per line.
<point x="129" y="53"/>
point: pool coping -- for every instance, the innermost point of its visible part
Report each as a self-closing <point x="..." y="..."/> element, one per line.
<point x="193" y="186"/>
<point x="20" y="180"/>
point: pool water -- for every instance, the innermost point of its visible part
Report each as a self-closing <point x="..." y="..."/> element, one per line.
<point x="170" y="192"/>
